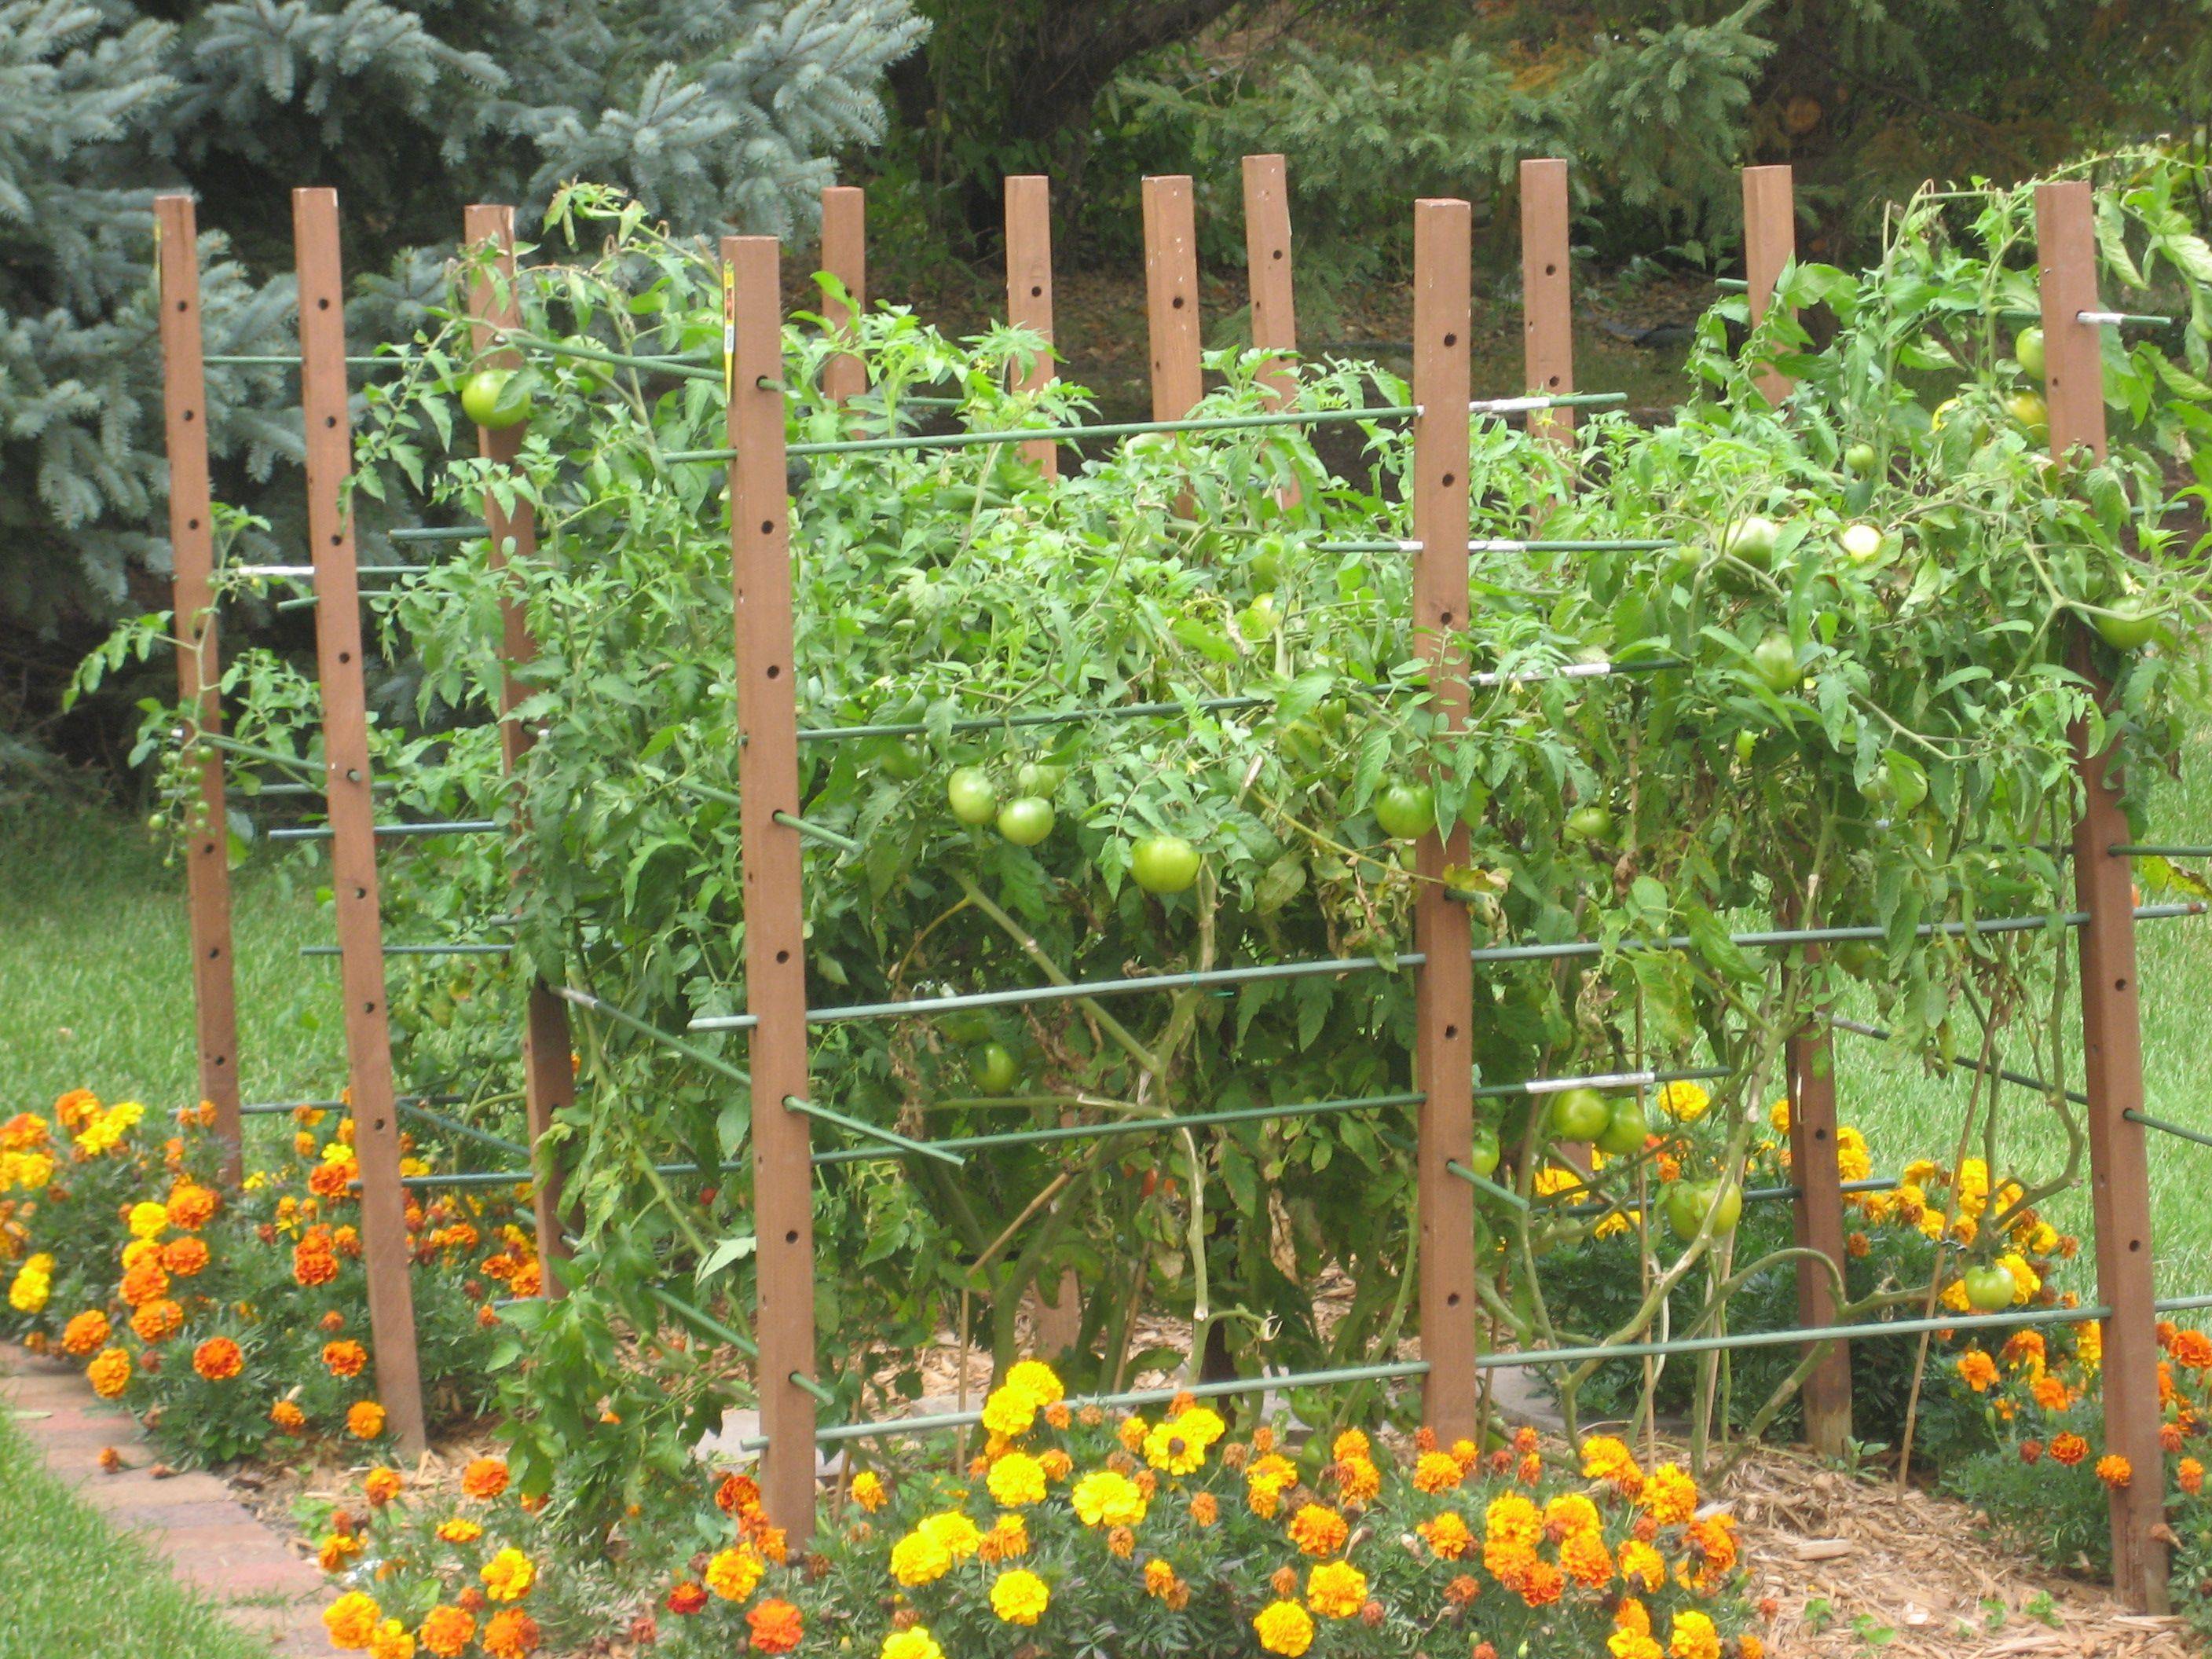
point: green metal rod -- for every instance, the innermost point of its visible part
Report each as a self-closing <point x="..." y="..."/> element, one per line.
<point x="2182" y="1303"/>
<point x="941" y="1420"/>
<point x="1131" y="1126"/>
<point x="454" y="1127"/>
<point x="806" y="1384"/>
<point x="1616" y="1080"/>
<point x="2132" y="850"/>
<point x="271" y="1108"/>
<point x="415" y="950"/>
<point x="217" y="740"/>
<point x="890" y="1137"/>
<point x="2162" y="1124"/>
<point x="1737" y="285"/>
<point x="698" y="1320"/>
<point x="458" y="827"/>
<point x="1780" y="936"/>
<point x="593" y="355"/>
<point x="707" y="791"/>
<point x="842" y="843"/>
<point x="2023" y="1078"/>
<point x="646" y="1027"/>
<point x="235" y="360"/>
<point x="1502" y="545"/>
<point x="1063" y="433"/>
<point x="1485" y="1184"/>
<point x="1751" y="1195"/>
<point x="512" y="1177"/>
<point x="438" y="533"/>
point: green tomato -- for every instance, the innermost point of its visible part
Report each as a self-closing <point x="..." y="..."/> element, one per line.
<point x="899" y="760"/>
<point x="1164" y="864"/>
<point x="994" y="1069"/>
<point x="2127" y="625"/>
<point x="493" y="400"/>
<point x="1579" y="1115"/>
<point x="1747" y="745"/>
<point x="1482" y="1159"/>
<point x="1588" y="823"/>
<point x="1406" y="811"/>
<point x="2027" y="347"/>
<point x="1990" y="1287"/>
<point x="590" y="376"/>
<point x="1025" y="820"/>
<point x="2030" y="413"/>
<point x="1258" y="620"/>
<point x="1861" y="542"/>
<point x="1267" y="570"/>
<point x="1689" y="1202"/>
<point x="1860" y="458"/>
<point x="1751" y="540"/>
<point x="968" y="793"/>
<point x="1035" y="778"/>
<point x="1623" y="1135"/>
<point x="1775" y="661"/>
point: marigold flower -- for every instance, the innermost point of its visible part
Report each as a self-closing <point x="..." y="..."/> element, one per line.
<point x="868" y="1490"/>
<point x="1159" y="1577"/>
<point x="218" y="1359"/>
<point x="2189" y="1475"/>
<point x="351" y="1621"/>
<point x="1684" y="1101"/>
<point x="775" y="1624"/>
<point x="687" y="1598"/>
<point x="1608" y="1459"/>
<point x="508" y="1575"/>
<point x="1448" y="1535"/>
<point x="1317" y="1529"/>
<point x="143" y="1281"/>
<point x="344" y="1358"/>
<point x="447" y="1631"/>
<point x="2051" y="1393"/>
<point x="2115" y="1470"/>
<point x="1641" y="1563"/>
<point x="1010" y="1411"/>
<point x="1584" y="1557"/>
<point x="512" y="1634"/>
<point x="1976" y="1370"/>
<point x="85" y="1332"/>
<point x="484" y="1477"/>
<point x="1017" y="1479"/>
<point x="1038" y="1379"/>
<point x="1693" y="1637"/>
<point x="148" y="1219"/>
<point x="1435" y="1472"/>
<point x="312" y="1263"/>
<point x="1358" y="1481"/>
<point x="1748" y="1646"/>
<point x="1336" y="1589"/>
<point x="1103" y="1498"/>
<point x="380" y="1486"/>
<point x="336" y="1550"/>
<point x="364" y="1419"/>
<point x="1541" y="1583"/>
<point x="734" y="1573"/>
<point x="286" y="1415"/>
<point x="1205" y="1509"/>
<point x="919" y="1558"/>
<point x="1284" y="1628"/>
<point x="2192" y="1350"/>
<point x="1018" y="1597"/>
<point x="2169" y="1437"/>
<point x="191" y="1206"/>
<point x="2070" y="1449"/>
<point x="459" y="1529"/>
<point x="1670" y="1497"/>
<point x="2030" y="1451"/>
<point x="1571" y="1513"/>
<point x="1463" y="1588"/>
<point x="158" y="1321"/>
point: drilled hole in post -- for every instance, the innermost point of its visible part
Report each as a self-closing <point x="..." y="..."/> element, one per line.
<point x="337" y="539"/>
<point x="181" y="305"/>
<point x="345" y="656"/>
<point x="1450" y="1032"/>
<point x="191" y="524"/>
<point x="1276" y="255"/>
<point x="330" y="420"/>
<point x="1037" y="290"/>
<point x="2134" y="1244"/>
<point x="1451" y="339"/>
<point x="1446" y="619"/>
<point x="1451" y="478"/>
<point x="1554" y="381"/>
<point x="1551" y="270"/>
<point x="1176" y="303"/>
<point x="1452" y="1300"/>
<point x="775" y="671"/>
<point x="323" y="304"/>
<point x="792" y="1237"/>
<point x="189" y="414"/>
<point x="215" y="953"/>
<point x="782" y="957"/>
<point x="368" y="1008"/>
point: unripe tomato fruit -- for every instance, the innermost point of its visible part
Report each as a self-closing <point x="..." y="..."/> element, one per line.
<point x="994" y="1068"/>
<point x="1164" y="864"/>
<point x="1775" y="661"/>
<point x="1860" y="458"/>
<point x="968" y="793"/>
<point x="491" y="400"/>
<point x="1588" y="823"/>
<point x="1579" y="1115"/>
<point x="1751" y="540"/>
<point x="2126" y="625"/>
<point x="1406" y="810"/>
<point x="1035" y="778"/>
<point x="1862" y="542"/>
<point x="2027" y="347"/>
<point x="1483" y="1160"/>
<point x="1623" y="1135"/>
<point x="1990" y="1287"/>
<point x="1688" y="1203"/>
<point x="1025" y="820"/>
<point x="2030" y="413"/>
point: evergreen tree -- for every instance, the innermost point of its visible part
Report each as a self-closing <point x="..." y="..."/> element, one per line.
<point x="716" y="114"/>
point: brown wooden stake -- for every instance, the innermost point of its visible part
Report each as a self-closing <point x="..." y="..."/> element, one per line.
<point x="1770" y="242"/>
<point x="845" y="256"/>
<point x="1267" y="267"/>
<point x="1546" y="296"/>
<point x="2111" y="1028"/>
<point x="548" y="1077"/>
<point x="1443" y="1006"/>
<point x="1817" y="1221"/>
<point x="199" y="667"/>
<point x="1029" y="289"/>
<point x="775" y="944"/>
<point x="352" y="813"/>
<point x="1171" y="297"/>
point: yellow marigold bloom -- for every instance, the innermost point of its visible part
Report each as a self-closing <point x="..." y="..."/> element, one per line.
<point x="1608" y="1459"/>
<point x="1585" y="1559"/>
<point x="1641" y="1563"/>
<point x="33" y="1285"/>
<point x="459" y="1530"/>
<point x="1015" y="1480"/>
<point x="868" y="1490"/>
<point x="2026" y="1281"/>
<point x="364" y="1419"/>
<point x="1167" y="1446"/>
<point x="1511" y="1518"/>
<point x="1448" y="1535"/>
<point x="1131" y="1433"/>
<point x="1777" y="1116"/>
<point x="1317" y="1529"/>
<point x="1670" y="1497"/>
<point x="109" y="1373"/>
<point x="1336" y="1589"/>
<point x="351" y="1621"/>
<point x="508" y="1575"/>
<point x="148" y="1218"/>
<point x="1010" y="1411"/>
<point x="1973" y="1187"/>
<point x="1552" y="1180"/>
<point x="393" y="1641"/>
<point x="1966" y="1228"/>
<point x="1693" y="1637"/>
<point x="952" y="1532"/>
<point x="1159" y="1577"/>
<point x="1019" y="1597"/>
<point x="914" y="1643"/>
<point x="1357" y="1481"/>
<point x="734" y="1573"/>
<point x="1436" y="1472"/>
<point x="1570" y="1512"/>
<point x="1274" y="1466"/>
<point x="1037" y="1379"/>
<point x="1684" y="1101"/>
<point x="1351" y="1442"/>
<point x="447" y="1631"/>
<point x="1853" y="1159"/>
<point x="1285" y="1628"/>
<point x="1263" y="1496"/>
<point x="1976" y="1370"/>
<point x="1105" y="1498"/>
<point x="918" y="1559"/>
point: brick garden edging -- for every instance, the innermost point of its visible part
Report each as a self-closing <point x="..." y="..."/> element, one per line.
<point x="212" y="1542"/>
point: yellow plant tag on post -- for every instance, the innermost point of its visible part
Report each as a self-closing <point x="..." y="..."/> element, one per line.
<point x="729" y="330"/>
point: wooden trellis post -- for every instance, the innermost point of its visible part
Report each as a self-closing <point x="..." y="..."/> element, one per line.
<point x="1816" y="1220"/>
<point x="1171" y="297"/>
<point x="845" y="256"/>
<point x="2111" y="1028"/>
<point x="1444" y="1013"/>
<point x="351" y="810"/>
<point x="1770" y="242"/>
<point x="199" y="667"/>
<point x="1267" y="270"/>
<point x="1029" y="289"/>
<point x="1546" y="296"/>
<point x="775" y="944"/>
<point x="548" y="1079"/>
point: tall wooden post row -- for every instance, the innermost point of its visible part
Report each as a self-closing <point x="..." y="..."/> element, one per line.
<point x="199" y="673"/>
<point x="1029" y="290"/>
<point x="351" y="812"/>
<point x="2111" y="1029"/>
<point x="1444" y="1014"/>
<point x="1770" y="242"/>
<point x="845" y="256"/>
<point x="1267" y="271"/>
<point x="1547" y="317"/>
<point x="1171" y="297"/>
<point x="548" y="1079"/>
<point x="775" y="964"/>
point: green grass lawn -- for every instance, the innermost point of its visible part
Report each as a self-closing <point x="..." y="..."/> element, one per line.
<point x="74" y="1586"/>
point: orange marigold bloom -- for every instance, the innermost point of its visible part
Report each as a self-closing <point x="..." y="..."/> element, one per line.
<point x="1670" y="1497"/>
<point x="776" y="1625"/>
<point x="738" y="1494"/>
<point x="2051" y="1394"/>
<point x="158" y="1321"/>
<point x="484" y="1477"/>
<point x="218" y="1359"/>
<point x="512" y="1634"/>
<point x="1121" y="1541"/>
<point x="111" y="1460"/>
<point x="1205" y="1507"/>
<point x="447" y="1631"/>
<point x="351" y="1621"/>
<point x="345" y="1357"/>
<point x="364" y="1419"/>
<point x="1436" y="1472"/>
<point x="2030" y="1451"/>
<point x="1585" y="1557"/>
<point x="2189" y="1475"/>
<point x="1448" y="1535"/>
<point x="380" y="1486"/>
<point x="184" y="1257"/>
<point x="109" y="1373"/>
<point x="144" y="1281"/>
<point x="287" y="1416"/>
<point x="1542" y="1585"/>
<point x="2115" y="1470"/>
<point x="2070" y="1449"/>
<point x="1976" y="1370"/>
<point x="1319" y="1530"/>
<point x="1359" y="1482"/>
<point x="85" y="1333"/>
<point x="1463" y="1590"/>
<point x="2169" y="1437"/>
<point x="337" y="1551"/>
<point x="312" y="1263"/>
<point x="687" y="1598"/>
<point x="1531" y="1468"/>
<point x="2192" y="1350"/>
<point x="191" y="1206"/>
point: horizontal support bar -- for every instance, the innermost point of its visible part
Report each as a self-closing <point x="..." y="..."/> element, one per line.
<point x="1784" y="938"/>
<point x="1555" y="1086"/>
<point x="1066" y="433"/>
<point x="890" y="1137"/>
<point x="2094" y="319"/>
<point x="457" y="827"/>
<point x="519" y="337"/>
<point x="703" y="1322"/>
<point x="438" y="533"/>
<point x="270" y="1108"/>
<point x="815" y="831"/>
<point x="2136" y="850"/>
<point x="305" y="572"/>
<point x="807" y="1385"/>
<point x="645" y="1028"/>
<point x="266" y="360"/>
<point x="1507" y="544"/>
<point x="1485" y="1184"/>
<point x="1751" y="1195"/>
<point x="415" y="950"/>
<point x="2166" y="1127"/>
<point x="2023" y="1078"/>
<point x="484" y="1137"/>
<point x="1131" y="1126"/>
<point x="1058" y="717"/>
